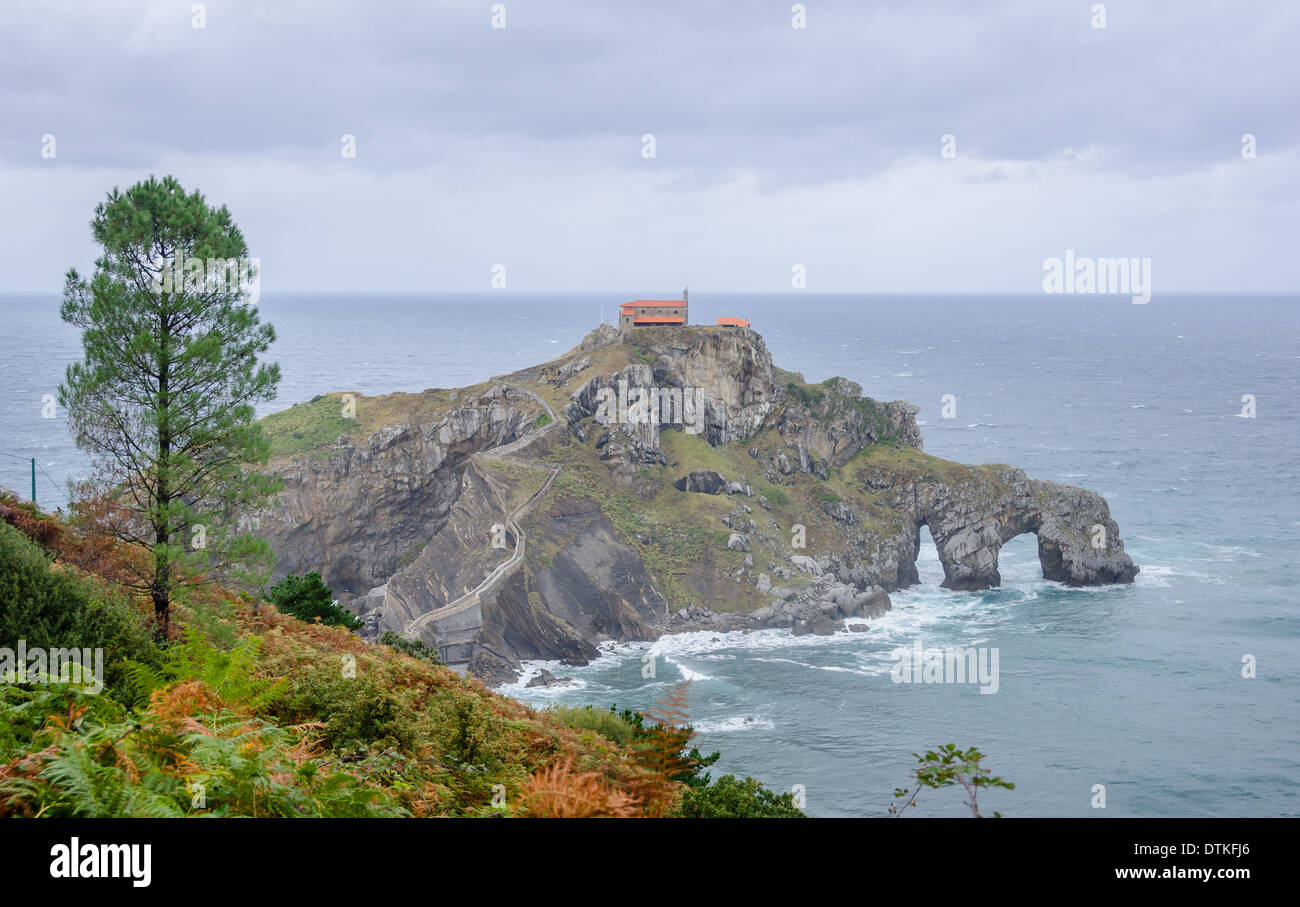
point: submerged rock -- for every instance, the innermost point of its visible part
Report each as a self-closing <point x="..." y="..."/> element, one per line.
<point x="546" y="679"/>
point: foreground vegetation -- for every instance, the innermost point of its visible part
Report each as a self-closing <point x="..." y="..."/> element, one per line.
<point x="241" y="709"/>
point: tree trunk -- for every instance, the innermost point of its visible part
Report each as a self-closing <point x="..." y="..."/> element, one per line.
<point x="160" y="588"/>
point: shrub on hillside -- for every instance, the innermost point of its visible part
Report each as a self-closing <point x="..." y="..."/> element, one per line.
<point x="308" y="598"/>
<point x="731" y="798"/>
<point x="355" y="711"/>
<point x="50" y="606"/>
<point x="66" y="754"/>
<point x="37" y="603"/>
<point x="606" y="722"/>
<point x="416" y="648"/>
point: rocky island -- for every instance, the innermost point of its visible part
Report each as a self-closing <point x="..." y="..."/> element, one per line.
<point x="645" y="482"/>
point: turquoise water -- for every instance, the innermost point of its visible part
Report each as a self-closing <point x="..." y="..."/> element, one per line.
<point x="1138" y="688"/>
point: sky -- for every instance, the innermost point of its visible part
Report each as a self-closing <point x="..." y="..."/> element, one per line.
<point x="520" y="152"/>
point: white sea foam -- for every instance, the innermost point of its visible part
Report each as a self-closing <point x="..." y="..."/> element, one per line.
<point x="687" y="673"/>
<point x="733" y="724"/>
<point x="939" y="615"/>
<point x="531" y="669"/>
<point x="1230" y="552"/>
<point x="1154" y="575"/>
<point x="834" y="668"/>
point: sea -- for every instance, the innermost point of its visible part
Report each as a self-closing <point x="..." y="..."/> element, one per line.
<point x="1178" y="695"/>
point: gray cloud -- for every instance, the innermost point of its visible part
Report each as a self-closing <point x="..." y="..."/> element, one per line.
<point x="453" y="114"/>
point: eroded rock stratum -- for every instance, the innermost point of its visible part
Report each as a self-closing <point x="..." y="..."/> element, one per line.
<point x="540" y="513"/>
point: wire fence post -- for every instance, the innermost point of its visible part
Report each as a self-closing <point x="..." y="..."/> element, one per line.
<point x="33" y="480"/>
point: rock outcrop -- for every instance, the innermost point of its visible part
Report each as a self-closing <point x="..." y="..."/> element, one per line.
<point x="548" y="512"/>
<point x="718" y="385"/>
<point x="824" y="610"/>
<point x="582" y="585"/>
<point x="835" y="422"/>
<point x="702" y="481"/>
<point x="356" y="512"/>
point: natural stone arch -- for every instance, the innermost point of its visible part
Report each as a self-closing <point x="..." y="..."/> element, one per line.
<point x="971" y="521"/>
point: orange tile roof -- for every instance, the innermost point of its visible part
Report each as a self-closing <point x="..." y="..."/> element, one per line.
<point x="659" y="319"/>
<point x="733" y="321"/>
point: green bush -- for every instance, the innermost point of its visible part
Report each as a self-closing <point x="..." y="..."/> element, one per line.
<point x="731" y="798"/>
<point x="37" y="604"/>
<point x="355" y="711"/>
<point x="806" y="396"/>
<point x="308" y="598"/>
<point x="776" y="496"/>
<point x="52" y="607"/>
<point x="416" y="648"/>
<point x="607" y="723"/>
<point x="113" y="624"/>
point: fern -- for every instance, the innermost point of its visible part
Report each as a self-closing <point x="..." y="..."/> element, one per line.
<point x="89" y="777"/>
<point x="660" y="751"/>
<point x="560" y="793"/>
<point x="139" y="682"/>
<point x="79" y="756"/>
<point x="231" y="674"/>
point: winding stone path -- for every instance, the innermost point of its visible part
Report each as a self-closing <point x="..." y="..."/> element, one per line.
<point x="474" y="597"/>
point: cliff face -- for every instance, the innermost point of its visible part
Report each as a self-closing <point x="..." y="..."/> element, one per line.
<point x="671" y="480"/>
<point x="723" y="380"/>
<point x="584" y="585"/>
<point x="356" y="511"/>
<point x="838" y="422"/>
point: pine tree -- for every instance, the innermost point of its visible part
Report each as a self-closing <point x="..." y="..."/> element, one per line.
<point x="308" y="598"/>
<point x="164" y="399"/>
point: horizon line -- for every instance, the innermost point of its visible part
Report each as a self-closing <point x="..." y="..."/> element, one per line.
<point x="792" y="291"/>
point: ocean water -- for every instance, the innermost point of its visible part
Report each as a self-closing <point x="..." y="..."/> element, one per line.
<point x="1138" y="688"/>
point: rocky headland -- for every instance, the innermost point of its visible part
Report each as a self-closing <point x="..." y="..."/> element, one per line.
<point x="666" y="480"/>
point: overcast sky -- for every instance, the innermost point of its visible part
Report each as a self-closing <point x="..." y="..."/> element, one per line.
<point x="774" y="145"/>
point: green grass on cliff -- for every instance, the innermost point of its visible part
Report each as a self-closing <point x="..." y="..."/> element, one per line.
<point x="313" y="426"/>
<point x="687" y="553"/>
<point x="515" y="482"/>
<point x="910" y="464"/>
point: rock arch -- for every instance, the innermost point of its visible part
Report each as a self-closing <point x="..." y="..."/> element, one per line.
<point x="1078" y="542"/>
